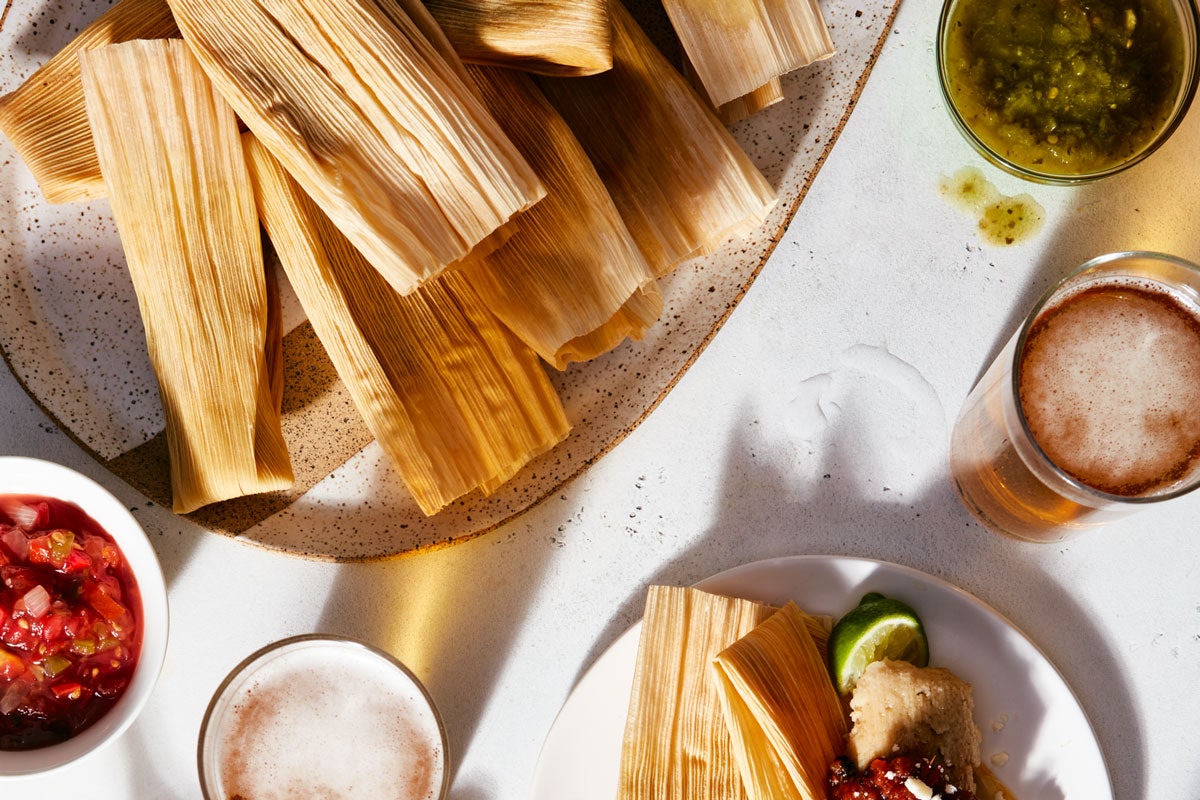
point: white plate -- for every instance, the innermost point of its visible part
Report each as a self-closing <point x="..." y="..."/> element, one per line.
<point x="1024" y="708"/>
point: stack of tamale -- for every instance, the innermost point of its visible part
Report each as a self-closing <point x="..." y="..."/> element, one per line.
<point x="731" y="699"/>
<point x="443" y="225"/>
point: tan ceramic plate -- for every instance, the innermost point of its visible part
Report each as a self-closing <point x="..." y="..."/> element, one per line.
<point x="71" y="333"/>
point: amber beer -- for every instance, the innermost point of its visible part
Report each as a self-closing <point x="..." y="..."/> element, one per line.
<point x="1093" y="408"/>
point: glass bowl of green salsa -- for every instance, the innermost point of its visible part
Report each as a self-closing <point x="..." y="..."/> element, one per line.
<point x="1067" y="91"/>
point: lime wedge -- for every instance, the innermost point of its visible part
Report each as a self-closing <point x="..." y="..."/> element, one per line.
<point x="877" y="628"/>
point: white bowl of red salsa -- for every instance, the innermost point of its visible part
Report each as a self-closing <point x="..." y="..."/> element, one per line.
<point x="83" y="616"/>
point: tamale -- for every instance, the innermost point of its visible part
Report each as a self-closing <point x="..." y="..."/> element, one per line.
<point x="375" y="126"/>
<point x="784" y="717"/>
<point x="632" y="320"/>
<point x="171" y="156"/>
<point x="742" y="107"/>
<point x="764" y="96"/>
<point x="571" y="282"/>
<point x="44" y="117"/>
<point x="680" y="181"/>
<point x="676" y="744"/>
<point x="738" y="46"/>
<point x="418" y="13"/>
<point x="454" y="400"/>
<point x="750" y="104"/>
<point x="550" y="37"/>
<point x="989" y="787"/>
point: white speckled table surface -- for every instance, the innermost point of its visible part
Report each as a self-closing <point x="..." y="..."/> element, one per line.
<point x="882" y="287"/>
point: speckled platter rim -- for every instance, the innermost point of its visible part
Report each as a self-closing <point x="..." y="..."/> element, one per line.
<point x="885" y="14"/>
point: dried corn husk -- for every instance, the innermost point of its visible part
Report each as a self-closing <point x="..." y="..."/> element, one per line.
<point x="742" y="107"/>
<point x="748" y="105"/>
<point x="784" y="717"/>
<point x="453" y="399"/>
<point x="171" y="155"/>
<point x="738" y="46"/>
<point x="416" y="11"/>
<point x="44" y="117"/>
<point x="632" y="321"/>
<point x="680" y="181"/>
<point x="989" y="787"/>
<point x="551" y="37"/>
<point x="368" y="118"/>
<point x="676" y="744"/>
<point x="571" y="282"/>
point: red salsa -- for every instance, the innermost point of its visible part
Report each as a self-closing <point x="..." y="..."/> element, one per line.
<point x="898" y="778"/>
<point x="70" y="628"/>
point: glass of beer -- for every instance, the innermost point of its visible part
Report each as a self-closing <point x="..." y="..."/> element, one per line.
<point x="1092" y="409"/>
<point x="319" y="716"/>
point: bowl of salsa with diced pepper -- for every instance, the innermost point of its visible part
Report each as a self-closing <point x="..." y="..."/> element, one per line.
<point x="1067" y="91"/>
<point x="83" y="616"/>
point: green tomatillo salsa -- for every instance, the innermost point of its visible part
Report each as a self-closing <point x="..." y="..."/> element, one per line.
<point x="1064" y="87"/>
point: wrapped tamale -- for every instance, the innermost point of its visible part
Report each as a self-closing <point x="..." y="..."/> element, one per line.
<point x="680" y="181"/>
<point x="551" y="37"/>
<point x="676" y="744"/>
<point x="375" y="126"/>
<point x="171" y="155"/>
<point x="738" y="46"/>
<point x="454" y="400"/>
<point x="571" y="282"/>
<point x="45" y="118"/>
<point x="750" y="104"/>
<point x="739" y="108"/>
<point x="417" y="12"/>
<point x="989" y="787"/>
<point x="783" y="715"/>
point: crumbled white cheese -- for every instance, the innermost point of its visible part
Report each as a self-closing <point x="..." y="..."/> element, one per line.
<point x="918" y="789"/>
<point x="951" y="788"/>
<point x="999" y="759"/>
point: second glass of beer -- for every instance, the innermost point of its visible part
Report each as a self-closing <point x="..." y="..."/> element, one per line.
<point x="1092" y="409"/>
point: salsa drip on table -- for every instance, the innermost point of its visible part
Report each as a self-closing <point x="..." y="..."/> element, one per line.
<point x="901" y="777"/>
<point x="70" y="628"/>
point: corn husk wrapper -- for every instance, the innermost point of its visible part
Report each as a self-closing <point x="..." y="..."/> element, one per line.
<point x="750" y="104"/>
<point x="45" y="118"/>
<point x="676" y="745"/>
<point x="454" y="400"/>
<point x="375" y="126"/>
<point x="679" y="180"/>
<point x="417" y="12"/>
<point x="783" y="715"/>
<point x="571" y="282"/>
<point x="739" y="108"/>
<point x="550" y="37"/>
<point x="738" y="46"/>
<point x="170" y="151"/>
<point x="989" y="787"/>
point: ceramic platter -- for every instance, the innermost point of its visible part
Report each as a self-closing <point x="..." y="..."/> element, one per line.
<point x="72" y="335"/>
<point x="1036" y="738"/>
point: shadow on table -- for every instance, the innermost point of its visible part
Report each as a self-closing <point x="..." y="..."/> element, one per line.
<point x="844" y="513"/>
<point x="443" y="622"/>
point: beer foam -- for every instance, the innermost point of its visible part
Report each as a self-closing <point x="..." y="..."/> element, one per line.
<point x="1110" y="387"/>
<point x="329" y="720"/>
